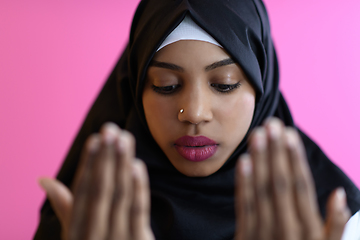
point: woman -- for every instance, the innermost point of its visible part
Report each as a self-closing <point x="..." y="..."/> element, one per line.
<point x="196" y="78"/>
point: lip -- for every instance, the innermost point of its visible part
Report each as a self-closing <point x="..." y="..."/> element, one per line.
<point x="196" y="149"/>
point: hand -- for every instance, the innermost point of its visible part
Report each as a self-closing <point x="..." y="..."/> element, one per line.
<point x="110" y="197"/>
<point x="275" y="195"/>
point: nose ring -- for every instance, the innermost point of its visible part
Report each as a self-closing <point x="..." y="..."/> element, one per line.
<point x="181" y="110"/>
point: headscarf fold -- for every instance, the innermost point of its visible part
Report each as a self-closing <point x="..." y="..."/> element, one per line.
<point x="194" y="207"/>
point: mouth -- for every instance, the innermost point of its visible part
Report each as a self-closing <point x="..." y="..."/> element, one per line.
<point x="196" y="149"/>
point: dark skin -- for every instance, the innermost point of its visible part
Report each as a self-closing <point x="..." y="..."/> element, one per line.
<point x="274" y="190"/>
<point x="110" y="196"/>
<point x="217" y="98"/>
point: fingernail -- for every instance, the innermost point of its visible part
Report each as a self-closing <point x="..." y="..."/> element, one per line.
<point x="93" y="144"/>
<point x="110" y="133"/>
<point x="136" y="172"/>
<point x="274" y="130"/>
<point x="267" y="120"/>
<point x="246" y="166"/>
<point x="340" y="199"/>
<point x="43" y="183"/>
<point x="122" y="143"/>
<point x="290" y="140"/>
<point x="260" y="139"/>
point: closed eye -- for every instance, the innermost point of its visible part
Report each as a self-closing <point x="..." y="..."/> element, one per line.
<point x="166" y="89"/>
<point x="225" y="88"/>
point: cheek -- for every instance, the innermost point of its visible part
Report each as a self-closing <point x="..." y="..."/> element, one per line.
<point x="236" y="115"/>
<point x="158" y="113"/>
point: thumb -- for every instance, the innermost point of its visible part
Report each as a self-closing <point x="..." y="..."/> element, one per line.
<point x="60" y="197"/>
<point x="337" y="214"/>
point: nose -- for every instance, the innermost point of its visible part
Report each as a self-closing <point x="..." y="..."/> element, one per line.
<point x="195" y="107"/>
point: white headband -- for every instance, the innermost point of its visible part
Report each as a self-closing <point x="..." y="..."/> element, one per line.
<point x="188" y="30"/>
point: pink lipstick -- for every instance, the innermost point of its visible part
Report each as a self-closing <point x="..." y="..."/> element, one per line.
<point x="195" y="149"/>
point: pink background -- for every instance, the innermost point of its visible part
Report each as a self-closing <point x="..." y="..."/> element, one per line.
<point x="55" y="56"/>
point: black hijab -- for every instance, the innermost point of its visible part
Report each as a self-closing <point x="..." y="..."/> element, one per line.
<point x="185" y="207"/>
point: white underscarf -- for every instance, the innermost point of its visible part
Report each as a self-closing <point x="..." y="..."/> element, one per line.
<point x="352" y="228"/>
<point x="188" y="30"/>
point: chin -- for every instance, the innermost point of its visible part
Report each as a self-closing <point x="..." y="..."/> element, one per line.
<point x="201" y="169"/>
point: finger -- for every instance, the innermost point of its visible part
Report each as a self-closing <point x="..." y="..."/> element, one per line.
<point x="60" y="197"/>
<point x="81" y="188"/>
<point x="280" y="172"/>
<point x="244" y="202"/>
<point x="120" y="218"/>
<point x="337" y="215"/>
<point x="91" y="146"/>
<point x="102" y="185"/>
<point x="140" y="210"/>
<point x="305" y="195"/>
<point x="259" y="155"/>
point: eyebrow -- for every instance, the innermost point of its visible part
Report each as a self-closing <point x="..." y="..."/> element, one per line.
<point x="221" y="63"/>
<point x="177" y="68"/>
<point x="170" y="66"/>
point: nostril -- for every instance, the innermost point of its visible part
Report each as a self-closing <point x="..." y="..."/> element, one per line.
<point x="193" y="111"/>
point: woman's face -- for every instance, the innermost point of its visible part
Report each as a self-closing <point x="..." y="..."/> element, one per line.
<point x="198" y="105"/>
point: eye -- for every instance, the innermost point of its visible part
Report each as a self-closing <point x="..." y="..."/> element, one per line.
<point x="166" y="89"/>
<point x="225" y="88"/>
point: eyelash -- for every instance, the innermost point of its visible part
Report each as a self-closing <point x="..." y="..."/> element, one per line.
<point x="225" y="88"/>
<point x="165" y="90"/>
<point x="221" y="88"/>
